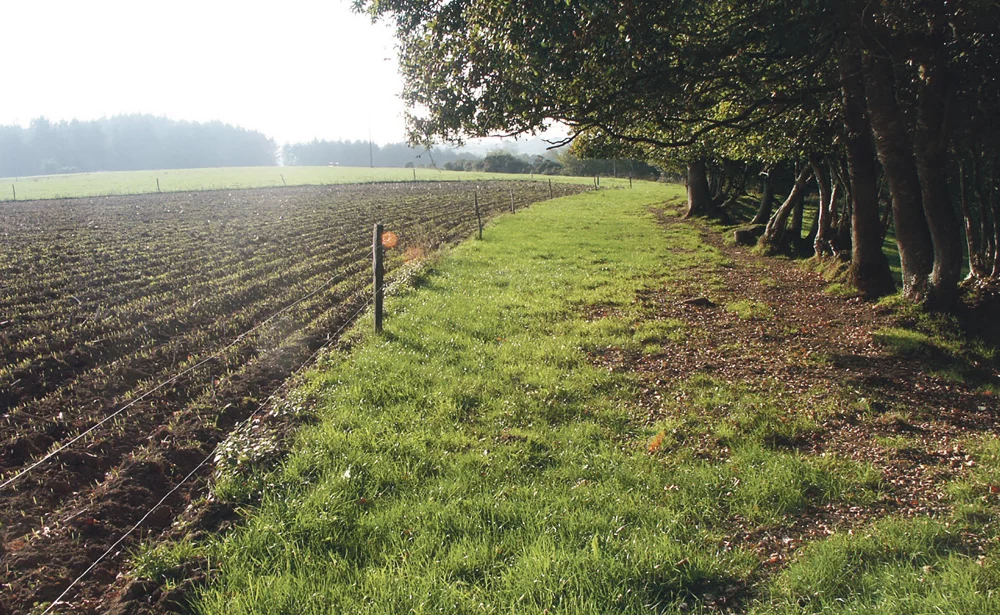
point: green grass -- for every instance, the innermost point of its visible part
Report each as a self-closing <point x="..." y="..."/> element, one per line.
<point x="747" y="309"/>
<point x="906" y="566"/>
<point x="907" y="342"/>
<point x="894" y="567"/>
<point x="840" y="289"/>
<point x="186" y="180"/>
<point x="940" y="342"/>
<point x="473" y="459"/>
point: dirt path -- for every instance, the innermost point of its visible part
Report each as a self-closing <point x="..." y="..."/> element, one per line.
<point x="819" y="349"/>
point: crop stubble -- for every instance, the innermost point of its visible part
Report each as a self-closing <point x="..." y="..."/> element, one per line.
<point x="104" y="298"/>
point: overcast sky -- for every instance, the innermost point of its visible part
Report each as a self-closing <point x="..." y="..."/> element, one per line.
<point x="294" y="70"/>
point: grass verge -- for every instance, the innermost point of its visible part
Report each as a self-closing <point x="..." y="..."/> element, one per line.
<point x="474" y="460"/>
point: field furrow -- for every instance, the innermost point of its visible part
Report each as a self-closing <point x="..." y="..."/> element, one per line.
<point x="106" y="299"/>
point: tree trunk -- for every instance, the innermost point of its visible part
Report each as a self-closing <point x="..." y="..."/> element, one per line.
<point x="840" y="220"/>
<point x="994" y="208"/>
<point x="700" y="201"/>
<point x="795" y="232"/>
<point x="842" y="242"/>
<point x="931" y="139"/>
<point x="973" y="229"/>
<point x="774" y="234"/>
<point x="887" y="220"/>
<point x="810" y="237"/>
<point x="766" y="201"/>
<point x="869" y="271"/>
<point x="827" y="202"/>
<point x="983" y="185"/>
<point x="895" y="152"/>
<point x="828" y="241"/>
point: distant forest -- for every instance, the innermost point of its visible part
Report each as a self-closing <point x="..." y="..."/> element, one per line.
<point x="144" y="142"/>
<point x="363" y="154"/>
<point x="128" y="143"/>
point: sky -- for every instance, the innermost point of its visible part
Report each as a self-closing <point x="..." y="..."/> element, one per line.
<point x="294" y="70"/>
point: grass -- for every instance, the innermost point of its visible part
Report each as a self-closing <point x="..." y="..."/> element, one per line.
<point x="941" y="342"/>
<point x="473" y="459"/>
<point x="840" y="289"/>
<point x="907" y="566"/>
<point x="748" y="309"/>
<point x="188" y="180"/>
<point x="895" y="566"/>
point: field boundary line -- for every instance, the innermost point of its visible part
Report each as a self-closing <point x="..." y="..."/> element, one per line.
<point x="215" y="449"/>
<point x="171" y="380"/>
<point x="372" y="182"/>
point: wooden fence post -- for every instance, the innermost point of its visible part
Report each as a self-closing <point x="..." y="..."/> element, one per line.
<point x="14" y="188"/>
<point x="629" y="180"/>
<point x="414" y="173"/>
<point x="550" y="187"/>
<point x="511" y="188"/>
<point x="157" y="184"/>
<point x="378" y="273"/>
<point x="283" y="179"/>
<point x="479" y="218"/>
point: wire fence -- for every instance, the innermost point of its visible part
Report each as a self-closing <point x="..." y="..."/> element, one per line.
<point x="216" y="355"/>
<point x="513" y="203"/>
<point x="58" y="448"/>
<point x="284" y="385"/>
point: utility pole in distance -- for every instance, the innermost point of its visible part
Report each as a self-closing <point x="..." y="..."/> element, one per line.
<point x="371" y="154"/>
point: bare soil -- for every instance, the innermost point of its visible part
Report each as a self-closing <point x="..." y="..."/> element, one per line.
<point x="105" y="298"/>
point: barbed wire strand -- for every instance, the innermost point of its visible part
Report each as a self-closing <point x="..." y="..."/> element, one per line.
<point x="63" y="446"/>
<point x="208" y="458"/>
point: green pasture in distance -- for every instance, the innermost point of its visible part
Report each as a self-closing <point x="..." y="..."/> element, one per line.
<point x="185" y="180"/>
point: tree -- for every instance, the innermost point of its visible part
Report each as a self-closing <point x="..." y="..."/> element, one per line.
<point x="503" y="162"/>
<point x="722" y="88"/>
<point x="663" y="75"/>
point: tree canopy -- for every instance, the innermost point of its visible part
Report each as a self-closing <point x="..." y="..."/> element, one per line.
<point x="860" y="94"/>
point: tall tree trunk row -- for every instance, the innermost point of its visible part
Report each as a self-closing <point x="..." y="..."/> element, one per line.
<point x="869" y="271"/>
<point x="825" y="211"/>
<point x="931" y="150"/>
<point x="774" y="234"/>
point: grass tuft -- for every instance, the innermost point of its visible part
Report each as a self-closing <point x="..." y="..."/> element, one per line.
<point x="748" y="309"/>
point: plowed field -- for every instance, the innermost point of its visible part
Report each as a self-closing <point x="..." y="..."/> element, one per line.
<point x="160" y="322"/>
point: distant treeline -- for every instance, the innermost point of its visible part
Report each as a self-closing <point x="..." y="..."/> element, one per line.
<point x="565" y="163"/>
<point x="128" y="143"/>
<point x="363" y="154"/>
<point x="144" y="142"/>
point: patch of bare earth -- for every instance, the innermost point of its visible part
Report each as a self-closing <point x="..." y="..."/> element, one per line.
<point x="818" y="350"/>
